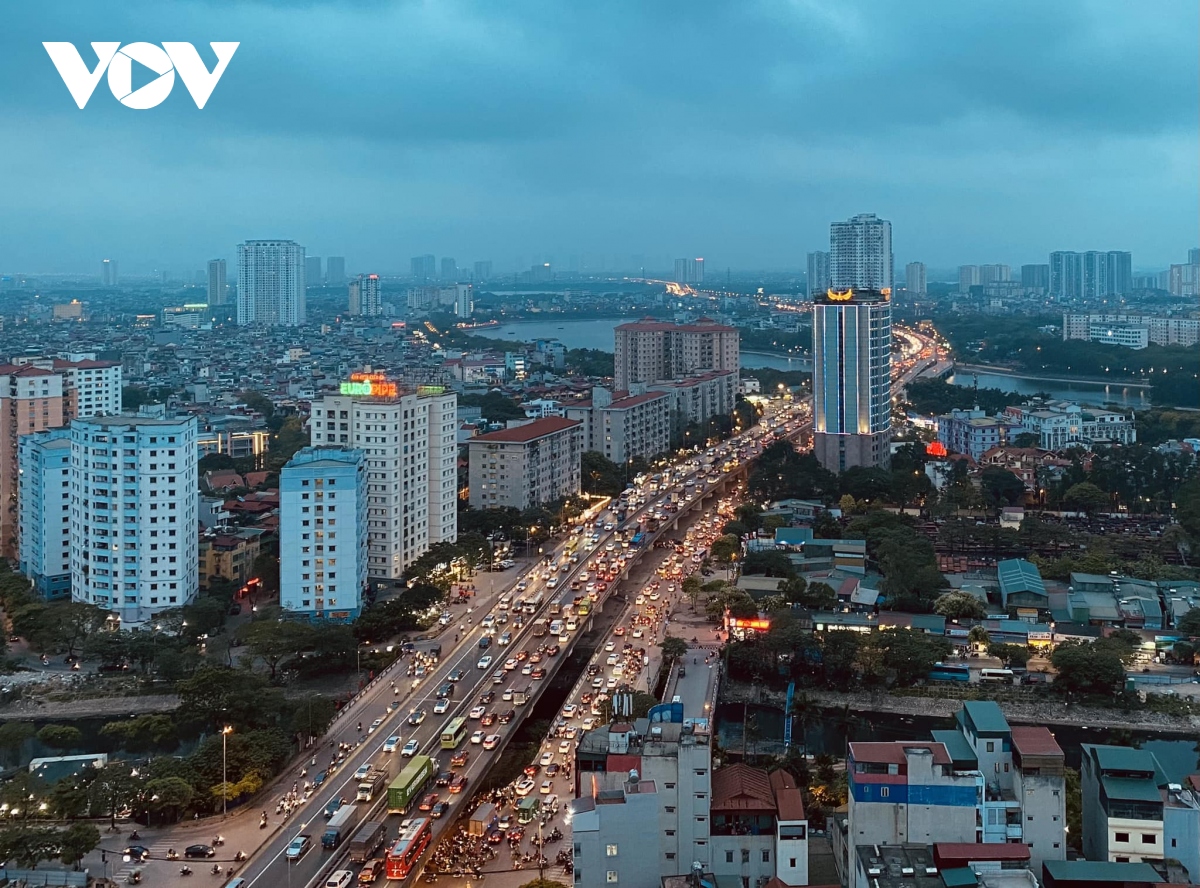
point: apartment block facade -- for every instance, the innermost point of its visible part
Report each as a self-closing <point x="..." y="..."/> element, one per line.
<point x="44" y="460"/>
<point x="525" y="465"/>
<point x="649" y="351"/>
<point x="621" y="427"/>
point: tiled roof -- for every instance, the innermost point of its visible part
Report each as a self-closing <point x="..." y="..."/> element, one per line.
<point x="740" y="787"/>
<point x="1031" y="740"/>
<point x="883" y="753"/>
<point x="530" y="431"/>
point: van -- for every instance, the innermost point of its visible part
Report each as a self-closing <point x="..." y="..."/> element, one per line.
<point x="339" y="879"/>
<point x="238" y="882"/>
<point x="677" y="699"/>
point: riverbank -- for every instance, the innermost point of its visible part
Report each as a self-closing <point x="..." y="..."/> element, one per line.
<point x="1021" y="374"/>
<point x="92" y="707"/>
<point x="1039" y="712"/>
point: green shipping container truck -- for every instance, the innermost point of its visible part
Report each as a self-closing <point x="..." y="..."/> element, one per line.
<point x="404" y="792"/>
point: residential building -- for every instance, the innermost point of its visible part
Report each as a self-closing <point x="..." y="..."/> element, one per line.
<point x="108" y="272"/>
<point x="1039" y="785"/>
<point x="323" y="533"/>
<point x="229" y="554"/>
<point x="1060" y="424"/>
<point x="1090" y="275"/>
<point x="526" y="464"/>
<point x="1124" y="335"/>
<point x="968" y="277"/>
<point x="44" y="500"/>
<point x="1101" y="874"/>
<point x="134" y="486"/>
<point x="482" y="271"/>
<point x="689" y="271"/>
<point x="464" y="300"/>
<point x="31" y="400"/>
<point x="700" y="396"/>
<point x="914" y="279"/>
<point x="1035" y="278"/>
<point x="335" y="271"/>
<point x="1181" y="824"/>
<point x="649" y="351"/>
<point x="192" y="316"/>
<point x="365" y="300"/>
<point x="1066" y="274"/>
<point x="1160" y="330"/>
<point x="1122" y="804"/>
<point x="852" y="383"/>
<point x="271" y="283"/>
<point x="68" y="311"/>
<point x="860" y="253"/>
<point x="449" y="269"/>
<point x="993" y="274"/>
<point x="619" y="425"/>
<point x="974" y="433"/>
<point x="818" y="273"/>
<point x="312" y="271"/>
<point x="218" y="289"/>
<point x="237" y="443"/>
<point x="410" y="441"/>
<point x="424" y="267"/>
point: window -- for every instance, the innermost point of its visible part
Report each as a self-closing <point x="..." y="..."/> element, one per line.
<point x="729" y="857"/>
<point x="991" y="746"/>
<point x="792" y="862"/>
<point x="610" y="850"/>
<point x="670" y="855"/>
<point x="766" y="856"/>
<point x="1120" y="860"/>
<point x="1121" y="837"/>
<point x="745" y="855"/>
<point x="884" y="791"/>
<point x="1149" y="839"/>
<point x="611" y="877"/>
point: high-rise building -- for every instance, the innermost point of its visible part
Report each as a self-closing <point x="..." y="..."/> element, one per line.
<point x="852" y="382"/>
<point x="689" y="271"/>
<point x="31" y="400"/>
<point x="1066" y="274"/>
<point x="134" y="514"/>
<point x="108" y="272"/>
<point x="410" y="441"/>
<point x="365" y="300"/>
<point x="1035" y="277"/>
<point x="449" y="269"/>
<point x="464" y="300"/>
<point x="312" y="271"/>
<point x="860" y="253"/>
<point x="526" y="465"/>
<point x="649" y="351"/>
<point x="271" y="282"/>
<point x="424" y="267"/>
<point x="483" y="271"/>
<point x="323" y="547"/>
<point x="1091" y="275"/>
<point x="968" y="277"/>
<point x="335" y="271"/>
<point x="1119" y="271"/>
<point x="44" y="503"/>
<point x="818" y="273"/>
<point x="218" y="290"/>
<point x="993" y="274"/>
<point x="914" y="279"/>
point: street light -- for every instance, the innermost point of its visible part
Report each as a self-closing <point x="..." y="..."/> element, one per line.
<point x="225" y="732"/>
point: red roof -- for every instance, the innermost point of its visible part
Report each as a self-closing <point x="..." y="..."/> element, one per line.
<point x="539" y="428"/>
<point x="60" y="364"/>
<point x="652" y="325"/>
<point x="788" y="798"/>
<point x="955" y="854"/>
<point x="881" y="753"/>
<point x="623" y="764"/>
<point x="1030" y="740"/>
<point x="741" y="788"/>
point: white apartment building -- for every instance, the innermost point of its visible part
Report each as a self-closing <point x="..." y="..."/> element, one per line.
<point x="915" y="279"/>
<point x="1123" y="802"/>
<point x="818" y="273"/>
<point x="860" y="253"/>
<point x="1060" y="424"/>
<point x="623" y="427"/>
<point x="218" y="291"/>
<point x="525" y="465"/>
<point x="1124" y="335"/>
<point x="1159" y="330"/>
<point x="134" y="513"/>
<point x="271" y="283"/>
<point x="365" y="300"/>
<point x="410" y="443"/>
<point x="700" y="396"/>
<point x="651" y="351"/>
<point x="44" y="509"/>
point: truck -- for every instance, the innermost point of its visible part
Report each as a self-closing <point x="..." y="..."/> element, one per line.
<point x="521" y="695"/>
<point x="539" y="628"/>
<point x="337" y="827"/>
<point x="482" y="820"/>
<point x="370" y="785"/>
<point x="367" y="841"/>
<point x="403" y="792"/>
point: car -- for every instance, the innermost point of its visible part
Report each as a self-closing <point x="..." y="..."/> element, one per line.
<point x="515" y="834"/>
<point x="525" y="787"/>
<point x="619" y="631"/>
<point x="375" y="725"/>
<point x="532" y="769"/>
<point x="613" y="659"/>
<point x="570" y="710"/>
<point x="140" y="853"/>
<point x="552" y="650"/>
<point x="488" y="719"/>
<point x="535" y="657"/>
<point x="477" y="737"/>
<point x="456" y="675"/>
<point x="506" y="716"/>
<point x="339" y="879"/>
<point x="439" y="810"/>
<point x="298" y="847"/>
<point x="637" y="632"/>
<point x="546" y="759"/>
<point x="610" y="645"/>
<point x="372" y="870"/>
<point x="362" y="772"/>
<point x="443" y="778"/>
<point x="498" y="677"/>
<point x="446" y="691"/>
<point x="460" y="758"/>
<point x="598" y="681"/>
<point x="459" y="783"/>
<point x="416" y="717"/>
<point x="507" y="695"/>
<point x="654" y="596"/>
<point x="411" y="748"/>
<point x="484" y="663"/>
<point x="428" y="802"/>
<point x="477" y="712"/>
<point x="547" y="785"/>
<point x="440" y="707"/>
<point x="564" y="747"/>
<point x="588" y="724"/>
<point x="552" y="769"/>
<point x="521" y="656"/>
<point x="506" y="638"/>
<point x="571" y="732"/>
<point x="487" y="697"/>
<point x="537" y="673"/>
<point x="495" y="836"/>
<point x="640" y="600"/>
<point x="510" y="664"/>
<point x="527" y="669"/>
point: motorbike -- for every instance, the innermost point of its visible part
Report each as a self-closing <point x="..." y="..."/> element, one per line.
<point x="171" y="855"/>
<point x="133" y="836"/>
<point x="216" y="869"/>
<point x="240" y="856"/>
<point x="134" y="877"/>
<point x="185" y="871"/>
<point x="262" y="823"/>
<point x="218" y="840"/>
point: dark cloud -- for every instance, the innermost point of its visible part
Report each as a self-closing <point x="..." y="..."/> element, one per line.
<point x="989" y="131"/>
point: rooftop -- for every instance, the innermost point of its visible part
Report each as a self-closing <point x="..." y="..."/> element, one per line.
<point x="1018" y="575"/>
<point x="1097" y="872"/>
<point x="531" y="431"/>
<point x="882" y="753"/>
<point x="986" y="717"/>
<point x="1030" y="740"/>
<point x="634" y="400"/>
<point x="1124" y="759"/>
<point x="653" y="325"/>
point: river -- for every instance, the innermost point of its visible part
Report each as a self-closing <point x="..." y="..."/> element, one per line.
<point x="1095" y="393"/>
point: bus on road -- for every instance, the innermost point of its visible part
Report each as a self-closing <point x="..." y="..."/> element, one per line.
<point x="454" y="733"/>
<point x="405" y="853"/>
<point x="950" y="672"/>
<point x="996" y="676"/>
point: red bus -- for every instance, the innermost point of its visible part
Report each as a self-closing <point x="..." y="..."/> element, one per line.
<point x="414" y="837"/>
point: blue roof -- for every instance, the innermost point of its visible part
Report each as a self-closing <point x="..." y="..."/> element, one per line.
<point x="792" y="536"/>
<point x="1018" y="575"/>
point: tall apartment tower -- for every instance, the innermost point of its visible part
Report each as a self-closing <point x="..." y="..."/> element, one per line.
<point x="968" y="277"/>
<point x="31" y="400"/>
<point x="44" y="502"/>
<point x="312" y="271"/>
<point x="411" y="447"/>
<point x="914" y="279"/>
<point x="991" y="274"/>
<point x="364" y="296"/>
<point x="134" y="512"/>
<point x="449" y="268"/>
<point x="1035" y="277"/>
<point x="108" y="272"/>
<point x="860" y="253"/>
<point x="218" y="291"/>
<point x="271" y="282"/>
<point x="464" y="300"/>
<point x="852" y="382"/>
<point x="689" y="271"/>
<point x="818" y="273"/>
<point x="335" y="271"/>
<point x="424" y="267"/>
<point x="482" y="270"/>
<point x="653" y="351"/>
<point x="323" y="533"/>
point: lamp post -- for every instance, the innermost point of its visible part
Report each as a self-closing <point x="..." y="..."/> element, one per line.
<point x="225" y="732"/>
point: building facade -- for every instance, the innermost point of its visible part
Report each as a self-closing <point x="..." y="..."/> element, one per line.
<point x="335" y="271"/>
<point x="218" y="291"/>
<point x="134" y="514"/>
<point x="818" y="273"/>
<point x="1160" y="330"/>
<point x="1090" y="275"/>
<point x="1035" y="278"/>
<point x="323" y="534"/>
<point x="229" y="554"/>
<point x="525" y="465"/>
<point x="1060" y="424"/>
<point x="31" y="400"/>
<point x="1122" y="804"/>
<point x="649" y="351"/>
<point x="271" y="283"/>
<point x="974" y="433"/>
<point x="312" y="271"/>
<point x="409" y="440"/>
<point x="689" y="271"/>
<point x="365" y="300"/>
<point x="44" y="460"/>
<point x="852" y="382"/>
<point x="914" y="279"/>
<point x="860" y="253"/>
<point x="622" y="427"/>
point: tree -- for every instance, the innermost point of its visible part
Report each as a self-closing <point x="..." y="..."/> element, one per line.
<point x="978" y="636"/>
<point x="272" y="640"/>
<point x="61" y="736"/>
<point x="691" y="588"/>
<point x="673" y="649"/>
<point x="1086" y="497"/>
<point x="1086" y="670"/>
<point x="142" y="733"/>
<point x="959" y="606"/>
<point x="907" y="656"/>
<point x="600" y="475"/>
<point x="769" y="563"/>
<point x="76" y="842"/>
<point x="725" y="548"/>
<point x="1009" y="654"/>
<point x="543" y="883"/>
<point x="1001" y="487"/>
<point x="258" y="402"/>
<point x="14" y="735"/>
<point x="1187" y="511"/>
<point x="1189" y="623"/>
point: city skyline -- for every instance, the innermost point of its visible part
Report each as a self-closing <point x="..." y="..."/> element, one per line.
<point x="454" y="173"/>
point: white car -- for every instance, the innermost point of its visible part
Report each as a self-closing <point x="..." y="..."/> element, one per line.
<point x="611" y="683"/>
<point x="546" y="759"/>
<point x="441" y="706"/>
<point x="410" y="749"/>
<point x="477" y="712"/>
<point x="491" y="741"/>
<point x="527" y="668"/>
<point x="477" y="737"/>
<point x="570" y="710"/>
<point x="374" y="726"/>
<point x="610" y="645"/>
<point x="571" y="733"/>
<point x="484" y="663"/>
<point x="507" y="695"/>
<point x="654" y="596"/>
<point x="598" y="681"/>
<point x="547" y="785"/>
<point x="391" y="743"/>
<point x="564" y="747"/>
<point x="640" y="600"/>
<point x="637" y="633"/>
<point x="588" y="724"/>
<point x="510" y="664"/>
<point x="613" y="659"/>
<point x="361" y="773"/>
<point x="525" y="787"/>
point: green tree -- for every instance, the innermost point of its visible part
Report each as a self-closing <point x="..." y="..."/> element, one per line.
<point x="1009" y="654"/>
<point x="691" y="587"/>
<point x="959" y="606"/>
<point x="725" y="549"/>
<point x="1001" y="487"/>
<point x="143" y="733"/>
<point x="978" y="636"/>
<point x="1086" y="497"/>
<point x="1189" y="623"/>
<point x="258" y="402"/>
<point x="601" y="476"/>
<point x="14" y="735"/>
<point x="76" y="842"/>
<point x="673" y="649"/>
<point x="1074" y="806"/>
<point x="1086" y="670"/>
<point x="61" y="736"/>
<point x="29" y="845"/>
<point x="272" y="640"/>
<point x="170" y="796"/>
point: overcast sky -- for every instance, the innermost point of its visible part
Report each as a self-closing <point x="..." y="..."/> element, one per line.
<point x="731" y="129"/>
